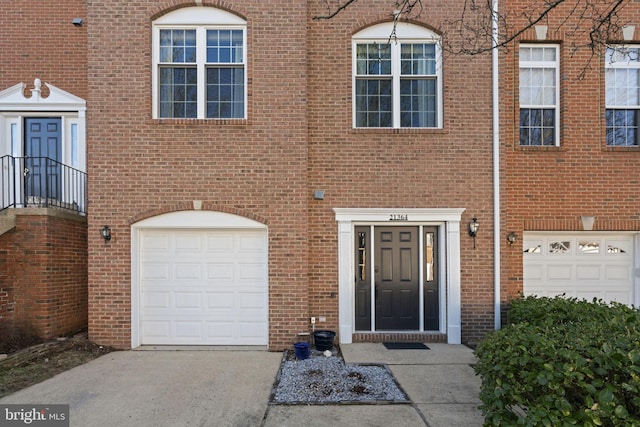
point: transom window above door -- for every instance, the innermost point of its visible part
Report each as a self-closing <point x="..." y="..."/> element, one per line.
<point x="397" y="81"/>
<point x="199" y="69"/>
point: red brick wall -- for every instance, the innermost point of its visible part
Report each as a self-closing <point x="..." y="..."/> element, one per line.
<point x="43" y="43"/>
<point x="448" y="167"/>
<point x="7" y="301"/>
<point x="46" y="273"/>
<point x="550" y="188"/>
<point x="298" y="138"/>
<point x="255" y="167"/>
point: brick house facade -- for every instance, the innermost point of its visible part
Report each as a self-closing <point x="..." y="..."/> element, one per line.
<point x="574" y="201"/>
<point x="43" y="262"/>
<point x="301" y="197"/>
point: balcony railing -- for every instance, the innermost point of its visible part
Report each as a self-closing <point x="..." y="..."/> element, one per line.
<point x="41" y="182"/>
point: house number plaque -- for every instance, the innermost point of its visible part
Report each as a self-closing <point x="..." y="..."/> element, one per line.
<point x="398" y="217"/>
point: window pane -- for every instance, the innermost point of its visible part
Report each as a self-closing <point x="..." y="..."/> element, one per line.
<point x="177" y="90"/>
<point x="225" y="93"/>
<point x="417" y="103"/>
<point x="622" y="127"/>
<point x="537" y="126"/>
<point x="178" y="46"/>
<point x="225" y="46"/>
<point x="373" y="103"/>
<point x="418" y="59"/>
<point x="373" y="59"/>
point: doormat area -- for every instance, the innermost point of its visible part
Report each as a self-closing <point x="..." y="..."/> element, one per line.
<point x="405" y="346"/>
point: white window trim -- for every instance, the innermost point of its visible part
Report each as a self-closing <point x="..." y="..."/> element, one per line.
<point x="449" y="225"/>
<point x="199" y="18"/>
<point x="543" y="64"/>
<point x="404" y="33"/>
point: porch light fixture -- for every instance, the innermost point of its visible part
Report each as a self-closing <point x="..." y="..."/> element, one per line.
<point x="511" y="238"/>
<point x="105" y="232"/>
<point x="473" y="230"/>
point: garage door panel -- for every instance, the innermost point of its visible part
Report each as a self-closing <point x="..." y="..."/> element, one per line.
<point x="220" y="271"/>
<point x="535" y="271"/>
<point x="154" y="243"/>
<point x="158" y="300"/>
<point x="158" y="271"/>
<point x="559" y="272"/>
<point x="217" y="330"/>
<point x="579" y="265"/>
<point x="188" y="300"/>
<point x="220" y="242"/>
<point x="618" y="272"/>
<point x="187" y="271"/>
<point x="188" y="243"/>
<point x="157" y="329"/>
<point x="588" y="272"/>
<point x="199" y="286"/>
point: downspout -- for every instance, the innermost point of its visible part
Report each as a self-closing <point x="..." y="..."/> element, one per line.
<point x="496" y="163"/>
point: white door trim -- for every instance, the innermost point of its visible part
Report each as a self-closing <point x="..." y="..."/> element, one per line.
<point x="348" y="218"/>
<point x="193" y="219"/>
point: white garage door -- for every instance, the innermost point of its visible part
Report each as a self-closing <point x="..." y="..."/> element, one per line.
<point x="203" y="287"/>
<point x="579" y="265"/>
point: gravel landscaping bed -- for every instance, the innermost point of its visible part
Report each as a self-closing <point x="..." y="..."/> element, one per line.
<point x="321" y="380"/>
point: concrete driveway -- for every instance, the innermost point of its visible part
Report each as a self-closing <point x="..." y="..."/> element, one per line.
<point x="232" y="388"/>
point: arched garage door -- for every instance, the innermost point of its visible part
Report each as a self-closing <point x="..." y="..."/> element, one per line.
<point x="205" y="283"/>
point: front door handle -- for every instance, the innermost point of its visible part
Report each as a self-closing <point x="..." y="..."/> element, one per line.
<point x="25" y="172"/>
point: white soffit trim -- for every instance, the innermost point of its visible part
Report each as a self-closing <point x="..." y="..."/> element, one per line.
<point x="413" y="214"/>
<point x="199" y="15"/>
<point x="198" y="219"/>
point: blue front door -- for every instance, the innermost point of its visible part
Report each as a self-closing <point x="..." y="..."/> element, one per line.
<point x="43" y="152"/>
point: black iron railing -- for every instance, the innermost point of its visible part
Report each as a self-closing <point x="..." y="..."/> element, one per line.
<point x="41" y="182"/>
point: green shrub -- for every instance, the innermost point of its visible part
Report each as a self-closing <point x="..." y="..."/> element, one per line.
<point x="562" y="362"/>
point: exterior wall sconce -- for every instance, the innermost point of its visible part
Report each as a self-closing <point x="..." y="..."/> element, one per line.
<point x="105" y="232"/>
<point x="512" y="237"/>
<point x="473" y="230"/>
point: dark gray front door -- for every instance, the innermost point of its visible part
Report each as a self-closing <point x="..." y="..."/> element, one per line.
<point x="43" y="151"/>
<point x="397" y="277"/>
<point x="397" y="261"/>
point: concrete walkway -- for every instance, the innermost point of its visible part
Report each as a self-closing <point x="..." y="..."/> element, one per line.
<point x="232" y="388"/>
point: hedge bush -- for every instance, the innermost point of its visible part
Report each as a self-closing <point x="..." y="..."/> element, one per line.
<point x="562" y="362"/>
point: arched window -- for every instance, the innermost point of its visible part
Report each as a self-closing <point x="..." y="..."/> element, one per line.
<point x="199" y="65"/>
<point x="397" y="81"/>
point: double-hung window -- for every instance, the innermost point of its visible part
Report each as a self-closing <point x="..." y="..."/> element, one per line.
<point x="539" y="95"/>
<point x="397" y="81"/>
<point x="622" y="82"/>
<point x="200" y="69"/>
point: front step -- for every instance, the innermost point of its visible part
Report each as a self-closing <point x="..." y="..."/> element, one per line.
<point x="434" y="337"/>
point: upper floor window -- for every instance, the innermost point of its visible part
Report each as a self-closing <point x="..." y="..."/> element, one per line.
<point x="539" y="94"/>
<point x="397" y="83"/>
<point x="622" y="82"/>
<point x="199" y="65"/>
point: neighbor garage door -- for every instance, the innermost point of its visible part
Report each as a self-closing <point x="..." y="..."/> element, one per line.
<point x="579" y="265"/>
<point x="203" y="287"/>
